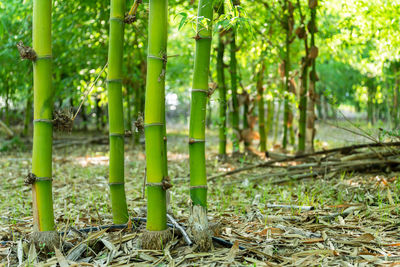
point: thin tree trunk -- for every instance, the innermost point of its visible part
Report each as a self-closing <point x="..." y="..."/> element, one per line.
<point x="286" y="118"/>
<point x="197" y="159"/>
<point x="43" y="112"/>
<point x="277" y="120"/>
<point x="235" y="104"/>
<point x="395" y="112"/>
<point x="115" y="112"/>
<point x="310" y="131"/>
<point x="303" y="89"/>
<point x="157" y="233"/>
<point x="270" y="117"/>
<point x="7" y="115"/>
<point x="28" y="114"/>
<point x="370" y="102"/>
<point x="261" y="112"/>
<point x="221" y="88"/>
<point x="129" y="122"/>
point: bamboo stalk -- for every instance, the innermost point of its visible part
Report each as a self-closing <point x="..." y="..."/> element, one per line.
<point x="115" y="112"/>
<point x="155" y="126"/>
<point x="43" y="109"/>
<point x="221" y="88"/>
<point x="197" y="159"/>
<point x="261" y="112"/>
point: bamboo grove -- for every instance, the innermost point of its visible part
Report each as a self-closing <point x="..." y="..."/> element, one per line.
<point x="273" y="102"/>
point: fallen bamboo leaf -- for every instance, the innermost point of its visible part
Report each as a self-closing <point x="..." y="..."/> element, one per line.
<point x="60" y="258"/>
<point x="233" y="252"/>
<point x="312" y="240"/>
<point x="365" y="238"/>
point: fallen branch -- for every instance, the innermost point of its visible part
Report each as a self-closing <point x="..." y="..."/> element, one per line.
<point x="180" y="228"/>
<point x="343" y="150"/>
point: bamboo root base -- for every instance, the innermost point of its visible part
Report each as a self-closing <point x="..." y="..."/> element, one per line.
<point x="199" y="228"/>
<point x="46" y="239"/>
<point x="156" y="240"/>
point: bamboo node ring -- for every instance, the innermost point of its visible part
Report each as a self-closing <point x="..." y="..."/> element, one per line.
<point x="120" y="183"/>
<point x="198" y="186"/>
<point x="31" y="178"/>
<point x="114" y="81"/>
<point x="43" y="120"/>
<point x="199" y="90"/>
<point x="117" y="134"/>
<point x="193" y="140"/>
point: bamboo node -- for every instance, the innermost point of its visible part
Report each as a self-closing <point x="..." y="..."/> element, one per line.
<point x="120" y="183"/>
<point x="118" y="19"/>
<point x="118" y="134"/>
<point x="44" y="57"/>
<point x="114" y="81"/>
<point x="43" y="120"/>
<point x="165" y="138"/>
<point x="154" y="184"/>
<point x="198" y="186"/>
<point x="31" y="178"/>
<point x="192" y="140"/>
<point x="200" y="90"/>
<point x="26" y="52"/>
<point x="199" y="37"/>
<point x="164" y="58"/>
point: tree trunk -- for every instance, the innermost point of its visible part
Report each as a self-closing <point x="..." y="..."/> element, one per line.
<point x="310" y="131"/>
<point x="197" y="159"/>
<point x="115" y="112"/>
<point x="235" y="104"/>
<point x="43" y="112"/>
<point x="261" y="112"/>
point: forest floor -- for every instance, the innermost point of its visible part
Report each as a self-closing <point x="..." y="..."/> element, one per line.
<point x="346" y="219"/>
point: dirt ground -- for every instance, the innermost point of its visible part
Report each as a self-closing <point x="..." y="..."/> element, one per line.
<point x="346" y="219"/>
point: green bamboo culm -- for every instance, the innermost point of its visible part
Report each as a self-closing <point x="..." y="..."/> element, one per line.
<point x="221" y="87"/>
<point x="115" y="112"/>
<point x="261" y="112"/>
<point x="198" y="223"/>
<point x="198" y="180"/>
<point x="157" y="232"/>
<point x="43" y="112"/>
